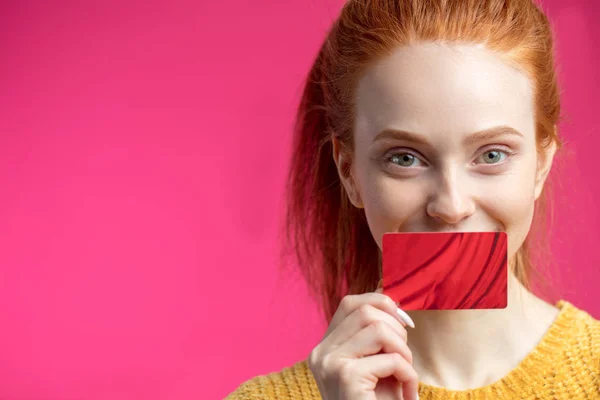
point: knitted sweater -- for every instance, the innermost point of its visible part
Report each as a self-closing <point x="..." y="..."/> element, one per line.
<point x="565" y="364"/>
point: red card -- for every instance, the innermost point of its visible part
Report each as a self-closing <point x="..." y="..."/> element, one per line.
<point x="446" y="271"/>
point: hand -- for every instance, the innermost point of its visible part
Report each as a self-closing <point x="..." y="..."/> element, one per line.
<point x="364" y="354"/>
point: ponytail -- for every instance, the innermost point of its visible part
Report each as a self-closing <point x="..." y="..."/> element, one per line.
<point x="322" y="226"/>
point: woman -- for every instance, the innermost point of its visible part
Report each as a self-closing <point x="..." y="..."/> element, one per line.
<point x="435" y="115"/>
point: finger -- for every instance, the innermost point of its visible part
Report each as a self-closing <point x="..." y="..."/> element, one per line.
<point x="351" y="302"/>
<point x="375" y="338"/>
<point x="404" y="317"/>
<point x="380" y="366"/>
<point x="364" y="316"/>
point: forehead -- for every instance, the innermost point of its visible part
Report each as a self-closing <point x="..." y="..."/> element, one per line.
<point x="449" y="88"/>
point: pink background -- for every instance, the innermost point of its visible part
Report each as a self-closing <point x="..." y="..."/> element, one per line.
<point x="143" y="147"/>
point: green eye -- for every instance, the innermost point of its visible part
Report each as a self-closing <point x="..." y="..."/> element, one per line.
<point x="492" y="156"/>
<point x="403" y="159"/>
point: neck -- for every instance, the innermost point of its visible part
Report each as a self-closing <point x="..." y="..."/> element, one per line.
<point x="461" y="349"/>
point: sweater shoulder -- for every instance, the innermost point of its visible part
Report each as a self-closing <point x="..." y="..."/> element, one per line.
<point x="584" y="324"/>
<point x="585" y="339"/>
<point x="291" y="382"/>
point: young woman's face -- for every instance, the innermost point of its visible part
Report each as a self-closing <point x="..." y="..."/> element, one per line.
<point x="445" y="141"/>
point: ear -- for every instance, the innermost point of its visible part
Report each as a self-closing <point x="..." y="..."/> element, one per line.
<point x="544" y="164"/>
<point x="343" y="163"/>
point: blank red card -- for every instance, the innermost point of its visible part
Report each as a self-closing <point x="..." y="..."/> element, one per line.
<point x="446" y="271"/>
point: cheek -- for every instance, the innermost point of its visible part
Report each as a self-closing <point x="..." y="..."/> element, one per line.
<point x="515" y="213"/>
<point x="511" y="203"/>
<point x="389" y="202"/>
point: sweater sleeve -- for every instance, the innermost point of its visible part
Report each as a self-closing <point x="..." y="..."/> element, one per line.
<point x="291" y="383"/>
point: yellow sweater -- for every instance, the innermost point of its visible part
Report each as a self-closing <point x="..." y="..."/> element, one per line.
<point x="564" y="365"/>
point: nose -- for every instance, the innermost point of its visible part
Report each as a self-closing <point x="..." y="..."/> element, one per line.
<point x="451" y="201"/>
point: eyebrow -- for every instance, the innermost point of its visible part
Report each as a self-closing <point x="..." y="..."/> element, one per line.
<point x="475" y="137"/>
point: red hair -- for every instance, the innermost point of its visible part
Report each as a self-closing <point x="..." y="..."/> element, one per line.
<point x="330" y="238"/>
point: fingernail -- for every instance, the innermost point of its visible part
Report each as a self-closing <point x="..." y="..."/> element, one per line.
<point x="404" y="317"/>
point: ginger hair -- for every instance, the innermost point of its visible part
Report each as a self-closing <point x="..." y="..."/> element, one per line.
<point x="329" y="237"/>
